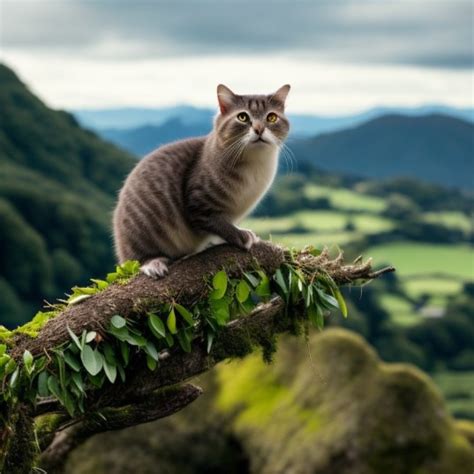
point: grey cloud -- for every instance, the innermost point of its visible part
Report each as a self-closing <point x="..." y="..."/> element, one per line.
<point x="427" y="33"/>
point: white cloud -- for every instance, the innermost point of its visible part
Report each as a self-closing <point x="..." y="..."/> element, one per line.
<point x="318" y="86"/>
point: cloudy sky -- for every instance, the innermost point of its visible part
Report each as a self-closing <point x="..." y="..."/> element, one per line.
<point x="340" y="56"/>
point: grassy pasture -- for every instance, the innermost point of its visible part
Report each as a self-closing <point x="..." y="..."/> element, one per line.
<point x="413" y="258"/>
<point x="456" y="220"/>
<point x="346" y="199"/>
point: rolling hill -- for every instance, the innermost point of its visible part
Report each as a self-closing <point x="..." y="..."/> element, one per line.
<point x="436" y="148"/>
<point x="57" y="189"/>
<point x="142" y="140"/>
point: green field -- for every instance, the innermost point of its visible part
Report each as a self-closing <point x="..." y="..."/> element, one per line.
<point x="346" y="199"/>
<point x="458" y="390"/>
<point x="317" y="240"/>
<point x="417" y="286"/>
<point x="413" y="258"/>
<point x="456" y="220"/>
<point x="320" y="223"/>
<point x="401" y="310"/>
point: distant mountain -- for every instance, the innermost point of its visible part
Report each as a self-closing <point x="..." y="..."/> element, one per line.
<point x="301" y="124"/>
<point x="142" y="140"/>
<point x="141" y="130"/>
<point x="57" y="188"/>
<point x="135" y="117"/>
<point x="434" y="148"/>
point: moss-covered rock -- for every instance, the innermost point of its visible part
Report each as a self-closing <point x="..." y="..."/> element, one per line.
<point x="337" y="408"/>
<point x="326" y="407"/>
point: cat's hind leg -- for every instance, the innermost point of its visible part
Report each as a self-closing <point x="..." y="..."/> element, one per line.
<point x="156" y="267"/>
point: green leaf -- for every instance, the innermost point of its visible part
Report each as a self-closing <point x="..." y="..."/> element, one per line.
<point x="83" y="339"/>
<point x="62" y="369"/>
<point x="101" y="284"/>
<point x="28" y="360"/>
<point x="125" y="351"/>
<point x="53" y="387"/>
<point x="329" y="301"/>
<point x="121" y="372"/>
<point x="91" y="335"/>
<point x="109" y="353"/>
<point x="110" y="371"/>
<point x="242" y="291"/>
<point x="252" y="280"/>
<point x="118" y="322"/>
<point x="10" y="367"/>
<point x="169" y="340"/>
<point x="171" y="321"/>
<point x="187" y="315"/>
<point x="220" y="311"/>
<point x="281" y="281"/>
<point x="263" y="288"/>
<point x="309" y="295"/>
<point x="68" y="402"/>
<point x="77" y="299"/>
<point x="71" y="361"/>
<point x="3" y="360"/>
<point x="77" y="379"/>
<point x="151" y="363"/>
<point x="150" y="349"/>
<point x="97" y="380"/>
<point x="43" y="384"/>
<point x="156" y="325"/>
<point x="340" y="300"/>
<point x="121" y="334"/>
<point x="210" y="340"/>
<point x="219" y="283"/>
<point x="3" y="349"/>
<point x="136" y="340"/>
<point x="184" y="340"/>
<point x="92" y="360"/>
<point x="14" y="378"/>
<point x="315" y="315"/>
<point x="74" y="338"/>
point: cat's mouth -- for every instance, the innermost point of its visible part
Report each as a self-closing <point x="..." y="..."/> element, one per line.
<point x="260" y="140"/>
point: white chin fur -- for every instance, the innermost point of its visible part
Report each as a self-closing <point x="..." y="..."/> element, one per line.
<point x="267" y="136"/>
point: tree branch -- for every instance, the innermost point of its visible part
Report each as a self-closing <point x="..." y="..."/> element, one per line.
<point x="149" y="395"/>
<point x="153" y="407"/>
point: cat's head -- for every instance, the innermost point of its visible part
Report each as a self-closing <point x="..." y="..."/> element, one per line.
<point x="251" y="120"/>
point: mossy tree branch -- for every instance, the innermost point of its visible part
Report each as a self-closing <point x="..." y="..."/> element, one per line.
<point x="148" y="395"/>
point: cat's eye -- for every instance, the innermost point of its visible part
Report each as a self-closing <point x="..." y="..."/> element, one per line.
<point x="272" y="118"/>
<point x="243" y="117"/>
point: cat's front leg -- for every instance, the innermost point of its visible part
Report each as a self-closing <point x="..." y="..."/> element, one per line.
<point x="220" y="226"/>
<point x="249" y="238"/>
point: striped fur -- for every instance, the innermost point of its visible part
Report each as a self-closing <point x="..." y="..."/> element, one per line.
<point x="192" y="193"/>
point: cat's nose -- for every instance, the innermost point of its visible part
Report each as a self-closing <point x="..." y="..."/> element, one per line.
<point x="258" y="128"/>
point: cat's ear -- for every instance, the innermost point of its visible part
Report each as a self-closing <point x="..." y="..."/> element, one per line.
<point x="281" y="94"/>
<point x="225" y="97"/>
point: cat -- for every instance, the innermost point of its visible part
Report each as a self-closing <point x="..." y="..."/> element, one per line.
<point x="192" y="193"/>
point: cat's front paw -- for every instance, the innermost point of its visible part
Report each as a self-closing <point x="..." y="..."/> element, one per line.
<point x="247" y="238"/>
<point x="156" y="268"/>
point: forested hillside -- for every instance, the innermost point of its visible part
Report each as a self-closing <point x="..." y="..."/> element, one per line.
<point x="435" y="148"/>
<point x="57" y="188"/>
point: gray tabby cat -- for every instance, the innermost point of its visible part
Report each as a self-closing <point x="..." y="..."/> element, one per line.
<point x="190" y="194"/>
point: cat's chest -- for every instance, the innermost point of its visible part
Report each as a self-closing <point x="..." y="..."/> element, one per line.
<point x="257" y="176"/>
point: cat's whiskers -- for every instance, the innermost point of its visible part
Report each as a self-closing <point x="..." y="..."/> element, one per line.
<point x="234" y="150"/>
<point x="288" y="156"/>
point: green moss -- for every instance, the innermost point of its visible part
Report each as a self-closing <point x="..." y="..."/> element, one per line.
<point x="22" y="451"/>
<point x="466" y="428"/>
<point x="45" y="427"/>
<point x="313" y="406"/>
